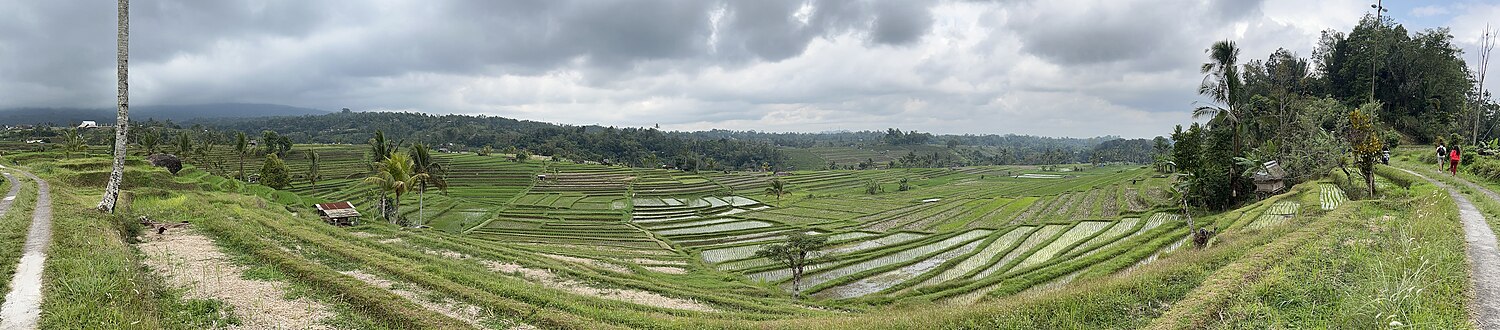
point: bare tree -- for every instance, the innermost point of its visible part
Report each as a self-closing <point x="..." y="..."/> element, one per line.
<point x="122" y="116"/>
<point x="1486" y="44"/>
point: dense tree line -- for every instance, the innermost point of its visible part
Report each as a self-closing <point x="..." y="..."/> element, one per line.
<point x="626" y="146"/>
<point x="1139" y="151"/>
<point x="1359" y="93"/>
<point x="1420" y="77"/>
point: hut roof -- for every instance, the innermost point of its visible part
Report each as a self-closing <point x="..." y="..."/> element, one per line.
<point x="338" y="210"/>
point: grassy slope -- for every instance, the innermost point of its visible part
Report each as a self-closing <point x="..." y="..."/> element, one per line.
<point x="95" y="280"/>
<point x="1368" y="264"/>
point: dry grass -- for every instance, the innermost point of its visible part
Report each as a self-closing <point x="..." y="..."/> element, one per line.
<point x="189" y="260"/>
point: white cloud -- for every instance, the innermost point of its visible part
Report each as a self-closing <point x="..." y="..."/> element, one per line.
<point x="1430" y="10"/>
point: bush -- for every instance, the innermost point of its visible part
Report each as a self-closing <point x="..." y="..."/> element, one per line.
<point x="274" y="173"/>
<point x="1486" y="168"/>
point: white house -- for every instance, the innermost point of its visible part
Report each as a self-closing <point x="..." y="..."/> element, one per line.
<point x="88" y="124"/>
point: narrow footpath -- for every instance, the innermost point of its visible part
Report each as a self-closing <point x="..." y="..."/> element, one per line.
<point x="1484" y="258"/>
<point x="10" y="196"/>
<point x="23" y="305"/>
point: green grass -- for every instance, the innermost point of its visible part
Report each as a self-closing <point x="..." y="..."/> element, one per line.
<point x="13" y="228"/>
<point x="1330" y="269"/>
<point x="1401" y="262"/>
<point x="94" y="278"/>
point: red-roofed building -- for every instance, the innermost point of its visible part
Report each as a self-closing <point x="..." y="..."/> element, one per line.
<point x="339" y="214"/>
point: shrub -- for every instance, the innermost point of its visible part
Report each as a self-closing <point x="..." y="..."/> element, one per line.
<point x="1486" y="168"/>
<point x="274" y="173"/>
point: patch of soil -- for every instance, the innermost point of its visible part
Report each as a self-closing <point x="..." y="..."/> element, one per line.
<point x="666" y="270"/>
<point x="190" y="260"/>
<point x="550" y="280"/>
<point x="455" y="309"/>
<point x="645" y="261"/>
<point x="592" y="262"/>
<point x="1111" y="204"/>
<point x="1137" y="202"/>
<point x="450" y="254"/>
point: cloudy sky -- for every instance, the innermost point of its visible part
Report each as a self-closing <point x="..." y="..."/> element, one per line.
<point x="1051" y="67"/>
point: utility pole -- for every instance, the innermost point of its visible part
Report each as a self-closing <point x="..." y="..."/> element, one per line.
<point x="1378" y="9"/>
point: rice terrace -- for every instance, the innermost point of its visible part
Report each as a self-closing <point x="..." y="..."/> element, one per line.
<point x="748" y="165"/>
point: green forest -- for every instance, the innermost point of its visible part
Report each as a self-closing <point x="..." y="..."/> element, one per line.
<point x="1310" y="113"/>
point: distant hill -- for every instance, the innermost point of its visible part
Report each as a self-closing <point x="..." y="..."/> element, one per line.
<point x="72" y="116"/>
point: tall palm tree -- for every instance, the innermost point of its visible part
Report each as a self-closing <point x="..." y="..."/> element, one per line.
<point x="241" y="147"/>
<point x="423" y="163"/>
<point x="122" y="112"/>
<point x="1221" y="83"/>
<point x="395" y="175"/>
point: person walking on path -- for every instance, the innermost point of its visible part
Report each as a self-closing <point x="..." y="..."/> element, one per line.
<point x="1442" y="153"/>
<point x="1454" y="157"/>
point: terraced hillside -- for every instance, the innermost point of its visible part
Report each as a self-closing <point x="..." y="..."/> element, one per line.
<point x="560" y="245"/>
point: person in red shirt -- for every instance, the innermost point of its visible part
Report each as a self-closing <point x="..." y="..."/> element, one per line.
<point x="1453" y="157"/>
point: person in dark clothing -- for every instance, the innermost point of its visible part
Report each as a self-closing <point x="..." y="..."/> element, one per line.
<point x="1442" y="153"/>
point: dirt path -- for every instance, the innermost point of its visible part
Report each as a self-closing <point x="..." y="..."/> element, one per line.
<point x="23" y="305"/>
<point x="10" y="196"/>
<point x="189" y="260"/>
<point x="1483" y="255"/>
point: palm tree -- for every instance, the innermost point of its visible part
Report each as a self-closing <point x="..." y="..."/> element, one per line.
<point x="1221" y="83"/>
<point x="149" y="140"/>
<point x="312" y="168"/>
<point x="241" y="147"/>
<point x="777" y="188"/>
<point x="423" y="164"/>
<point x="122" y="112"/>
<point x="74" y="142"/>
<point x="184" y="145"/>
<point x="395" y="175"/>
<point x="380" y="149"/>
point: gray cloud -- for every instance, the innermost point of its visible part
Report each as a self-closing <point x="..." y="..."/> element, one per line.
<point x="1113" y="67"/>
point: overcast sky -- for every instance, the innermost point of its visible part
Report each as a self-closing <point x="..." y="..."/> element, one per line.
<point x="1053" y="67"/>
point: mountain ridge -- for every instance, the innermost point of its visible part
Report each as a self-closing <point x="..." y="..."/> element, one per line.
<point x="67" y="116"/>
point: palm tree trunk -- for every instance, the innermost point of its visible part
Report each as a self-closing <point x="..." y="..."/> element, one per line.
<point x="122" y="115"/>
<point x="420" y="206"/>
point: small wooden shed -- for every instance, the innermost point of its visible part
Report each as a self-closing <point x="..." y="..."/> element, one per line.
<point x="1270" y="179"/>
<point x="339" y="214"/>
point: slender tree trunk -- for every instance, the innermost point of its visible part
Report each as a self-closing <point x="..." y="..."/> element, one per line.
<point x="420" y="206"/>
<point x="122" y="115"/>
<point x="242" y="166"/>
<point x="797" y="282"/>
<point x="396" y="208"/>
